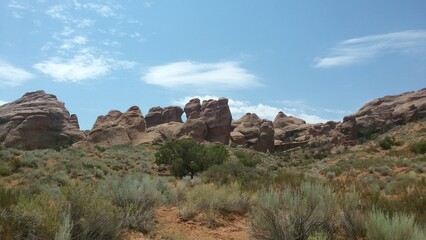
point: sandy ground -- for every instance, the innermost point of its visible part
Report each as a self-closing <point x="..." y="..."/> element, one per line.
<point x="169" y="226"/>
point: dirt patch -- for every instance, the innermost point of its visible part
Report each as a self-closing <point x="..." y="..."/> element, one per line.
<point x="51" y="162"/>
<point x="169" y="226"/>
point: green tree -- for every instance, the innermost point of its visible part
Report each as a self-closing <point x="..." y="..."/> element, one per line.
<point x="187" y="157"/>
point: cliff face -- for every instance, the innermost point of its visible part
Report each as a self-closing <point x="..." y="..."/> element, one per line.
<point x="384" y="113"/>
<point x="37" y="120"/>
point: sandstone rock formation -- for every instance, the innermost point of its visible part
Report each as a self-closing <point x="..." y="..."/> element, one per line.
<point x="287" y="127"/>
<point x="216" y="115"/>
<point x="377" y="116"/>
<point x="116" y="128"/>
<point x="384" y="113"/>
<point x="193" y="128"/>
<point x="251" y="131"/>
<point x="159" y="115"/>
<point x="37" y="120"/>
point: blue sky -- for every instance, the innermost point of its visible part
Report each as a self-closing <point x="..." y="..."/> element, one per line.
<point x="318" y="60"/>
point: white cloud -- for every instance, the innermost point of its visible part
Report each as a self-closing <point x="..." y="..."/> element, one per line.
<point x="13" y="76"/>
<point x="355" y="50"/>
<point x="2" y="102"/>
<point x="72" y="42"/>
<point x="201" y="75"/>
<point x="83" y="66"/>
<point x="84" y="23"/>
<point x="18" y="8"/>
<point x="57" y="12"/>
<point x="239" y="108"/>
<point x="102" y="9"/>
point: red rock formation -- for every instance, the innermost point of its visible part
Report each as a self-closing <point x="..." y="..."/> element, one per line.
<point x="159" y="115"/>
<point x="251" y="131"/>
<point x="116" y="128"/>
<point x="218" y="118"/>
<point x="37" y="120"/>
<point x="384" y="113"/>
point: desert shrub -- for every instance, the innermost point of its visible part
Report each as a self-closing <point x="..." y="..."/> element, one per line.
<point x="187" y="157"/>
<point x="5" y="171"/>
<point x="137" y="199"/>
<point x="61" y="178"/>
<point x="93" y="216"/>
<point x="357" y="164"/>
<point x="294" y="214"/>
<point x="384" y="170"/>
<point x="212" y="200"/>
<point x="353" y="218"/>
<point x="37" y="217"/>
<point x="386" y="143"/>
<point x="232" y="171"/>
<point x="410" y="198"/>
<point x="8" y="198"/>
<point x="287" y="178"/>
<point x="418" y="147"/>
<point x="64" y="231"/>
<point x="399" y="227"/>
<point x="330" y="175"/>
<point x="247" y="159"/>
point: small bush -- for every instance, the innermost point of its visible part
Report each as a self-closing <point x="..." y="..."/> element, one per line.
<point x="137" y="199"/>
<point x="353" y="219"/>
<point x="247" y="159"/>
<point x="187" y="157"/>
<point x="418" y="147"/>
<point x="64" y="231"/>
<point x="399" y="227"/>
<point x="211" y="200"/>
<point x="37" y="217"/>
<point x="5" y="171"/>
<point x="384" y="170"/>
<point x="93" y="216"/>
<point x="386" y="143"/>
<point x="294" y="214"/>
<point x="232" y="171"/>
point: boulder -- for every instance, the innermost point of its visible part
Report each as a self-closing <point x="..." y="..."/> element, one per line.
<point x="212" y="115"/>
<point x="116" y="128"/>
<point x="37" y="120"/>
<point x="159" y="115"/>
<point x="287" y="128"/>
<point x="217" y="116"/>
<point x="193" y="128"/>
<point x="251" y="131"/>
<point x="193" y="109"/>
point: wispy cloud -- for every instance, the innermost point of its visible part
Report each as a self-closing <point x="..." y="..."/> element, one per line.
<point x="85" y="65"/>
<point x="102" y="9"/>
<point x="356" y="50"/>
<point x="13" y="76"/>
<point x="58" y="12"/>
<point x="201" y="75"/>
<point x="239" y="108"/>
<point x="18" y="8"/>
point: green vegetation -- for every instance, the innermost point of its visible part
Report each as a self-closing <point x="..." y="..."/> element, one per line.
<point x="209" y="200"/>
<point x="294" y="214"/>
<point x="418" y="147"/>
<point x="187" y="157"/>
<point x="313" y="192"/>
<point x="399" y="227"/>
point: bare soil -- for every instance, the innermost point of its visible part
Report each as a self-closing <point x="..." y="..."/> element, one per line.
<point x="170" y="226"/>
